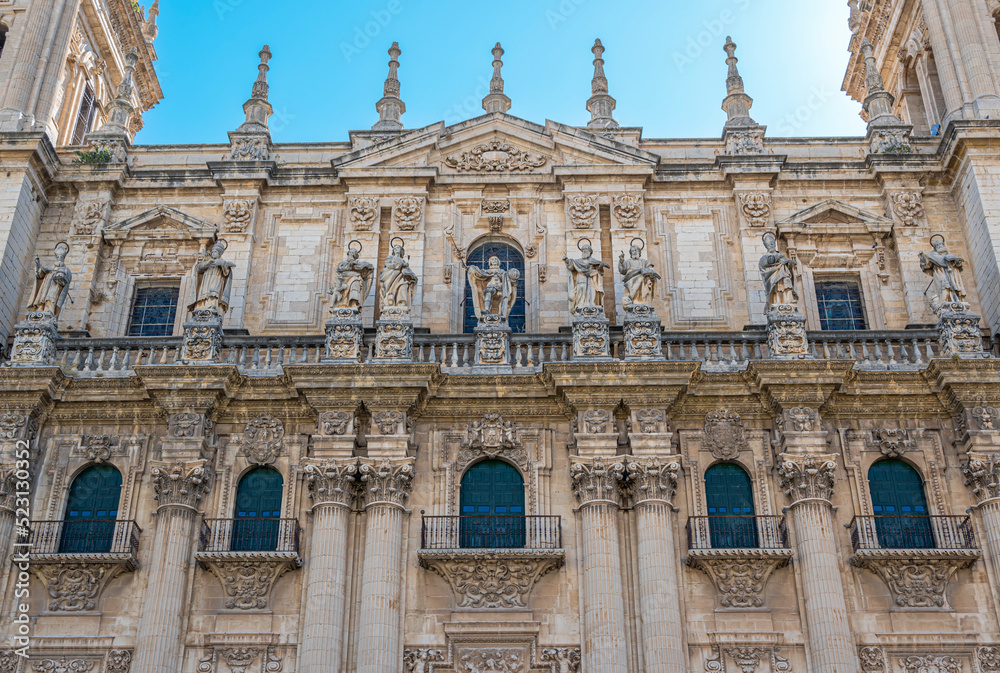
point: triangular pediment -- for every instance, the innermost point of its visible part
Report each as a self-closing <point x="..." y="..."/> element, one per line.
<point x="494" y="144"/>
<point x="162" y="221"/>
<point x="833" y="211"/>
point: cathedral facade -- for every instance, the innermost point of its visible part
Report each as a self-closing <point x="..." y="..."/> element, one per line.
<point x="500" y="395"/>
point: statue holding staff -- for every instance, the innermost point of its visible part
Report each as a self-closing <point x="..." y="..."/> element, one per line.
<point x="778" y="274"/>
<point x="638" y="277"/>
<point x="945" y="270"/>
<point x="51" y="284"/>
<point x="214" y="281"/>
<point x="587" y="274"/>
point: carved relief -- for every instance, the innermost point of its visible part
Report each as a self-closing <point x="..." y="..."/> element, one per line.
<point x="989" y="659"/>
<point x="872" y="659"/>
<point x="745" y="142"/>
<point x="725" y="435"/>
<point x="653" y="479"/>
<point x="13" y="425"/>
<point x="756" y="208"/>
<point x="982" y="475"/>
<point x="9" y="661"/>
<point x="263" y="439"/>
<point x="597" y="479"/>
<point x="739" y="575"/>
<point x="582" y="211"/>
<point x="331" y="481"/>
<point x="406" y="212"/>
<point x="335" y="422"/>
<point x="651" y="421"/>
<point x="984" y="417"/>
<point x="495" y="156"/>
<point x="800" y="419"/>
<point x="916" y="578"/>
<point x="236" y="213"/>
<point x="97" y="448"/>
<point x="90" y="217"/>
<point x="363" y="212"/>
<point x="891" y="442"/>
<point x="240" y="659"/>
<point x="62" y="665"/>
<point x="565" y="659"/>
<point x="494" y="211"/>
<point x="76" y="587"/>
<point x="247" y="581"/>
<point x="186" y="425"/>
<point x="627" y="209"/>
<point x="418" y="660"/>
<point x="180" y="482"/>
<point x="596" y="421"/>
<point x="909" y="207"/>
<point x="386" y="481"/>
<point x="492" y="437"/>
<point x="485" y="579"/>
<point x="118" y="661"/>
<point x="805" y="477"/>
<point x="746" y="657"/>
<point x="492" y="661"/>
<point x="388" y="421"/>
<point x="930" y="664"/>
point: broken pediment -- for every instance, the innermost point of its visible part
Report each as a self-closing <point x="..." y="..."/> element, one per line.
<point x="836" y="235"/>
<point x="493" y="144"/>
<point x="834" y="213"/>
<point x="162" y="222"/>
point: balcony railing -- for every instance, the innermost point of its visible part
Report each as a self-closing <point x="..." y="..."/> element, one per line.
<point x="900" y="349"/>
<point x="491" y="532"/>
<point x="249" y="535"/>
<point x="737" y="532"/>
<point x="84" y="537"/>
<point x="912" y="532"/>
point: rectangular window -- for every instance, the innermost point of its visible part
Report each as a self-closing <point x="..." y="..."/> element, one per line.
<point x="153" y="311"/>
<point x="840" y="305"/>
<point x="85" y="118"/>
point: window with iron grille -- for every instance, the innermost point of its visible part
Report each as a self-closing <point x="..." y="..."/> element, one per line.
<point x="840" y="305"/>
<point x="85" y="118"/>
<point x="153" y="311"/>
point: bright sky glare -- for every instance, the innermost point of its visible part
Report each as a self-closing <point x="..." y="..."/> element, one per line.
<point x="664" y="62"/>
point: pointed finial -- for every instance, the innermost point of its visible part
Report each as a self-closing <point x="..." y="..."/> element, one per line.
<point x="737" y="103"/>
<point x="257" y="109"/>
<point x="120" y="110"/>
<point x="390" y="107"/>
<point x="260" y="86"/>
<point x="149" y="28"/>
<point x="878" y="102"/>
<point x="496" y="101"/>
<point x="600" y="104"/>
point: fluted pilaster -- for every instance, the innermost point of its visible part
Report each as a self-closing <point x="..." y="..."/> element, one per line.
<point x="331" y="487"/>
<point x="597" y="485"/>
<point x="386" y="486"/>
<point x="982" y="475"/>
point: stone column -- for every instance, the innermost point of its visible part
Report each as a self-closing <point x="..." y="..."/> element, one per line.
<point x="808" y="480"/>
<point x="178" y="487"/>
<point x="386" y="485"/>
<point x="654" y="485"/>
<point x="331" y="488"/>
<point x="982" y="473"/>
<point x="597" y="485"/>
<point x="17" y="433"/>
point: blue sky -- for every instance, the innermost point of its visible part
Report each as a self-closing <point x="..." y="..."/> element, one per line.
<point x="664" y="63"/>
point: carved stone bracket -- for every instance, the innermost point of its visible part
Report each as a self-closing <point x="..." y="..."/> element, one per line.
<point x="917" y="578"/>
<point x="496" y="578"/>
<point x="739" y="575"/>
<point x="74" y="582"/>
<point x="248" y="577"/>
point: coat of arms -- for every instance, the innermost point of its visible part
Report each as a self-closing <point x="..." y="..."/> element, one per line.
<point x="724" y="434"/>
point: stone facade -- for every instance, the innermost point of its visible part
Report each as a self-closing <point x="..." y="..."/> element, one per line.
<point x="296" y="350"/>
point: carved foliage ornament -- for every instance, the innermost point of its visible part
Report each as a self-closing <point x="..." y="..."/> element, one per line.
<point x="90" y="217"/>
<point x="180" y="483"/>
<point x="597" y="480"/>
<point x="248" y="582"/>
<point x="805" y="477"/>
<point x="583" y="211"/>
<point x="892" y="442"/>
<point x="237" y="213"/>
<point x="800" y="419"/>
<point x="492" y="580"/>
<point x="388" y="421"/>
<point x="915" y="582"/>
<point x="651" y="421"/>
<point x="75" y="587"/>
<point x="63" y="665"/>
<point x="597" y="421"/>
<point x="97" y="448"/>
<point x="984" y="417"/>
<point x="725" y="435"/>
<point x="982" y="475"/>
<point x="747" y="658"/>
<point x="909" y="207"/>
<point x="745" y="142"/>
<point x="627" y="209"/>
<point x="416" y="660"/>
<point x="566" y="659"/>
<point x="653" y="479"/>
<point x="930" y="664"/>
<point x="12" y="424"/>
<point x="756" y="208"/>
<point x="872" y="659"/>
<point x="495" y="156"/>
<point x="406" y="212"/>
<point x="118" y="661"/>
<point x="739" y="576"/>
<point x="331" y="481"/>
<point x="186" y="424"/>
<point x="989" y="659"/>
<point x="492" y="661"/>
<point x="491" y="435"/>
<point x="386" y="481"/>
<point x="335" y="422"/>
<point x="363" y="212"/>
<point x="263" y="439"/>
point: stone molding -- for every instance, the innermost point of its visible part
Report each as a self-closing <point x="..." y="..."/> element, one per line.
<point x="808" y="477"/>
<point x="739" y="575"/>
<point x="331" y="481"/>
<point x="74" y="582"/>
<point x="597" y="480"/>
<point x="180" y="482"/>
<point x="916" y="578"/>
<point x="653" y="479"/>
<point x="248" y="577"/>
<point x="497" y="578"/>
<point x="385" y="481"/>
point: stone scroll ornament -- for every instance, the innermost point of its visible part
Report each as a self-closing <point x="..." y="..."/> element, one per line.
<point x="587" y="274"/>
<point x="354" y="280"/>
<point x="638" y="276"/>
<point x="397" y="281"/>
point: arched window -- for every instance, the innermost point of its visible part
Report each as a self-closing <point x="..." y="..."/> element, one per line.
<point x="729" y="496"/>
<point x="492" y="506"/>
<point x="258" y="511"/>
<point x="510" y="258"/>
<point x="899" y="505"/>
<point x="91" y="510"/>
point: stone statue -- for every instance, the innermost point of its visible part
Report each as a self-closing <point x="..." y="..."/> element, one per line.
<point x="494" y="289"/>
<point x="215" y="281"/>
<point x="587" y="273"/>
<point x="51" y="285"/>
<point x="638" y="277"/>
<point x="778" y="273"/>
<point x="396" y="282"/>
<point x="354" y="280"/>
<point x="946" y="272"/>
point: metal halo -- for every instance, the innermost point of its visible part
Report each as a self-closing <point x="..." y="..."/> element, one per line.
<point x="61" y="244"/>
<point x="394" y="239"/>
<point x="937" y="236"/>
<point x="352" y="242"/>
<point x="580" y="242"/>
<point x="224" y="242"/>
<point x="769" y="233"/>
<point x="640" y="240"/>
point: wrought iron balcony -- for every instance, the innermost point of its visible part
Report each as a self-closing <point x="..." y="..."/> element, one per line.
<point x="737" y="532"/>
<point x="84" y="538"/>
<point x="491" y="532"/>
<point x="912" y="532"/>
<point x="278" y="536"/>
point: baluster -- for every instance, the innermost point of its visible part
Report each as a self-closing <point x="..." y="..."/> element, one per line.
<point x="812" y="350"/>
<point x="878" y="350"/>
<point x="669" y="347"/>
<point x="517" y="356"/>
<point x="88" y="363"/>
<point x="904" y="353"/>
<point x="683" y="354"/>
<point x="918" y="358"/>
<point x="564" y="350"/>
<point x="432" y="357"/>
<point x="826" y="350"/>
<point x="466" y="360"/>
<point x="268" y="360"/>
<point x="744" y="356"/>
<point x="291" y="354"/>
<point x="756" y="351"/>
<point x="892" y="353"/>
<point x="864" y="350"/>
<point x="114" y="359"/>
<point x="454" y="354"/>
<point x="256" y="357"/>
<point x="127" y="359"/>
<point x="371" y="351"/>
<point x="552" y="352"/>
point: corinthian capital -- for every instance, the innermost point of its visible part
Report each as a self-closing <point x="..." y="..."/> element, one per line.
<point x="182" y="482"/>
<point x="8" y="487"/>
<point x="386" y="481"/>
<point x="598" y="479"/>
<point x="982" y="475"/>
<point x="331" y="481"/>
<point x="807" y="477"/>
<point x="654" y="479"/>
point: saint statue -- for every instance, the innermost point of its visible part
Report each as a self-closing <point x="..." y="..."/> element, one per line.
<point x="396" y="282"/>
<point x="638" y="277"/>
<point x="51" y="285"/>
<point x="945" y="270"/>
<point x="778" y="273"/>
<point x="587" y="274"/>
<point x="494" y="289"/>
<point x="214" y="281"/>
<point x="354" y="280"/>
